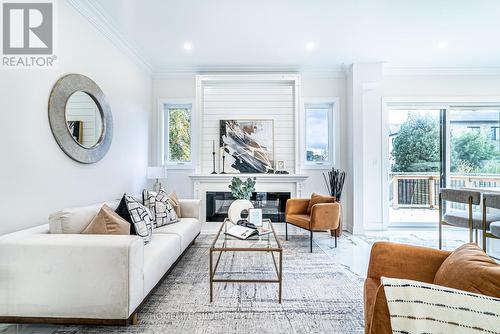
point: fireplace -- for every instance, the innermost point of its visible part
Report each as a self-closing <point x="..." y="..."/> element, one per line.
<point x="272" y="204"/>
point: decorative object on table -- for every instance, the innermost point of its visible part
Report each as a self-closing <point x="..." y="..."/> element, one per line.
<point x="241" y="191"/>
<point x="279" y="166"/>
<point x="249" y="144"/>
<point x="255" y="216"/>
<point x="334" y="180"/>
<point x="156" y="173"/>
<point x="213" y="157"/>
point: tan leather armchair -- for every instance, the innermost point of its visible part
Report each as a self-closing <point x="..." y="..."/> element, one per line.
<point x="396" y="261"/>
<point x="323" y="216"/>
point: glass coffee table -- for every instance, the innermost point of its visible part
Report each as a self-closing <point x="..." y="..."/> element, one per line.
<point x="268" y="243"/>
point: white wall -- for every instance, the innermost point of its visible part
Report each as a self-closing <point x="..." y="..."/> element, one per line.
<point x="36" y="177"/>
<point x="184" y="87"/>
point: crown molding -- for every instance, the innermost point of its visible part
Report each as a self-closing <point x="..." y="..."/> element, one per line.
<point x="94" y="13"/>
<point x="306" y="72"/>
<point x="429" y="70"/>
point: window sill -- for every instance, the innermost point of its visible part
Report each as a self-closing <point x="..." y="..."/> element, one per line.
<point x="180" y="166"/>
<point x="314" y="166"/>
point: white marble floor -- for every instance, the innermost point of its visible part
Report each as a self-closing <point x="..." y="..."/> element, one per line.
<point x="353" y="253"/>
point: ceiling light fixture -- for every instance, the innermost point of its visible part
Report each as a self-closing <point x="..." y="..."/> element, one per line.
<point x="187" y="46"/>
<point x="442" y="44"/>
<point x="310" y="46"/>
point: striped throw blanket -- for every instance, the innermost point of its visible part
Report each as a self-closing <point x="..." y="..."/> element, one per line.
<point x="417" y="307"/>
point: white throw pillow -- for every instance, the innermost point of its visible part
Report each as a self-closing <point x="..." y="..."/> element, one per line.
<point x="141" y="218"/>
<point x="75" y="220"/>
<point x="417" y="307"/>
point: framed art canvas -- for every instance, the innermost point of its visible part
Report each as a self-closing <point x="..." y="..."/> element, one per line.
<point x="248" y="145"/>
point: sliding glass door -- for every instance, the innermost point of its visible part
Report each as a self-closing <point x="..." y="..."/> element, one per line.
<point x="442" y="147"/>
<point x="474" y="146"/>
<point x="414" y="166"/>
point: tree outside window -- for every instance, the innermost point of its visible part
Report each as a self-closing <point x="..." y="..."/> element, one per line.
<point x="179" y="134"/>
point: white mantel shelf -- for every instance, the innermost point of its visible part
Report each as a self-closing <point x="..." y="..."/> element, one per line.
<point x="259" y="177"/>
<point x="203" y="183"/>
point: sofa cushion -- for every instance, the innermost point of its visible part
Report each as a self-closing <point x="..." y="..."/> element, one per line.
<point x="159" y="255"/>
<point x="299" y="220"/>
<point x="75" y="220"/>
<point x="461" y="219"/>
<point x="316" y="199"/>
<point x="165" y="212"/>
<point x="174" y="200"/>
<point x="187" y="229"/>
<point x="107" y="222"/>
<point x="142" y="218"/>
<point x="469" y="268"/>
<point x="122" y="211"/>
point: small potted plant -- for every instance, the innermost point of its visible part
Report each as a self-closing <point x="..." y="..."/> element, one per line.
<point x="241" y="191"/>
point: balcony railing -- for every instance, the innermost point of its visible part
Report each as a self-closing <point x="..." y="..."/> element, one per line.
<point x="420" y="190"/>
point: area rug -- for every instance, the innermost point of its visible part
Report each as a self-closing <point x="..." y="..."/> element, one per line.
<point x="319" y="296"/>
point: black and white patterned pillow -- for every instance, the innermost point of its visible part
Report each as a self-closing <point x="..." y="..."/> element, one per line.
<point x="149" y="200"/>
<point x="141" y="218"/>
<point x="165" y="211"/>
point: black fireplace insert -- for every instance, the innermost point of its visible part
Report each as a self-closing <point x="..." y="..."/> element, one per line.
<point x="272" y="204"/>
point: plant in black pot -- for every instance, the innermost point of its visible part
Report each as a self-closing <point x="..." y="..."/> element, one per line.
<point x="242" y="192"/>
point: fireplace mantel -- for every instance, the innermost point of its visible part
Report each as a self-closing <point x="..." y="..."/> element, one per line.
<point x="203" y="183"/>
<point x="259" y="177"/>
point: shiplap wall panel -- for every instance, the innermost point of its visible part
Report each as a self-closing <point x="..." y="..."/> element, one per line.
<point x="249" y="100"/>
<point x="80" y="107"/>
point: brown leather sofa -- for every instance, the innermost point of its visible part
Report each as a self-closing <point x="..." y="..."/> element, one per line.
<point x="321" y="217"/>
<point x="467" y="268"/>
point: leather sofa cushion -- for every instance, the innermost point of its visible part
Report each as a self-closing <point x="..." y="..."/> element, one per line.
<point x="187" y="229"/>
<point x="469" y="268"/>
<point x="299" y="220"/>
<point x="107" y="221"/>
<point x="316" y="198"/>
<point x="75" y="220"/>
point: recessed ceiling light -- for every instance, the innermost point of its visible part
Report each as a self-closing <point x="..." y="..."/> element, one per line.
<point x="310" y="46"/>
<point x="442" y="44"/>
<point x="187" y="46"/>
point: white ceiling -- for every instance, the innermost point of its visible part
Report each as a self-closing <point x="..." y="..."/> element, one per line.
<point x="273" y="33"/>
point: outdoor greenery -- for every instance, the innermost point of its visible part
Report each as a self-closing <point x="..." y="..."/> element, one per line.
<point x="416" y="148"/>
<point x="242" y="189"/>
<point x="470" y="151"/>
<point x="179" y="135"/>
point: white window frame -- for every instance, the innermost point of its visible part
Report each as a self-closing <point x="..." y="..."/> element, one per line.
<point x="333" y="120"/>
<point x="163" y="137"/>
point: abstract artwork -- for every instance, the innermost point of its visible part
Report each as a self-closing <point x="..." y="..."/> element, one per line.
<point x="248" y="145"/>
<point x="76" y="130"/>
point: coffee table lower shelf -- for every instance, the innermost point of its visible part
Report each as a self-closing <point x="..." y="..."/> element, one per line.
<point x="278" y="263"/>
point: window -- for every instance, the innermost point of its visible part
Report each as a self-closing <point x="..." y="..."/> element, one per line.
<point x="495" y="133"/>
<point x="318" y="134"/>
<point x="178" y="134"/>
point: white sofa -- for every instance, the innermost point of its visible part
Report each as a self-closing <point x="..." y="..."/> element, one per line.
<point x="65" y="277"/>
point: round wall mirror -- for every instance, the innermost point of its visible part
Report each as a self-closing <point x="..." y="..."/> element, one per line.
<point x="84" y="119"/>
<point x="80" y="118"/>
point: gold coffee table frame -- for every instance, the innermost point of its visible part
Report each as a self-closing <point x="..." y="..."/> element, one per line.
<point x="268" y="243"/>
